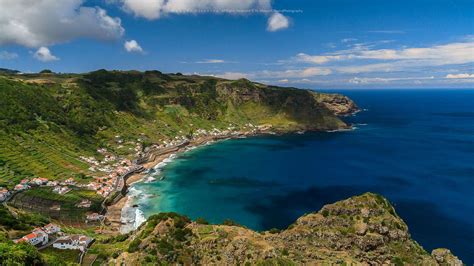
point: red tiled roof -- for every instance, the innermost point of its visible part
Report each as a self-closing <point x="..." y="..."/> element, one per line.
<point x="30" y="236"/>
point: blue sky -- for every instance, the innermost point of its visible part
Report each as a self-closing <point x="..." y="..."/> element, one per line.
<point x="304" y="43"/>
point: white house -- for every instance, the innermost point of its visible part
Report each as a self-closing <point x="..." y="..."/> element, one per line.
<point x="61" y="190"/>
<point x="39" y="181"/>
<point x="70" y="181"/>
<point x="85" y="203"/>
<point x="52" y="183"/>
<point x="94" y="217"/>
<point x="51" y="229"/>
<point x="37" y="237"/>
<point x="80" y="242"/>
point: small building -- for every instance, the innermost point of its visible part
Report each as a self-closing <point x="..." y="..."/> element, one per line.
<point x="80" y="242"/>
<point x="85" y="203"/>
<point x="4" y="194"/>
<point x="21" y="187"/>
<point x="70" y="181"/>
<point x="52" y="183"/>
<point x="39" y="181"/>
<point x="93" y="217"/>
<point x="51" y="229"/>
<point x="37" y="237"/>
<point x="61" y="190"/>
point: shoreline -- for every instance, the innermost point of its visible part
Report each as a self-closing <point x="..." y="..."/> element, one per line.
<point x="115" y="212"/>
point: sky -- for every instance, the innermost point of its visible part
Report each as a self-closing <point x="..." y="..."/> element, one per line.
<point x="302" y="43"/>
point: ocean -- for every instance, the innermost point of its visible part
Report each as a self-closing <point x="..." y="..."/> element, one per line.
<point x="415" y="147"/>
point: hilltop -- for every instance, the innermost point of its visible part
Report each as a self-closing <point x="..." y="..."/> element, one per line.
<point x="49" y="121"/>
<point x="363" y="229"/>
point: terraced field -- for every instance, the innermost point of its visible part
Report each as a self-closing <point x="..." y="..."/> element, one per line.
<point x="44" y="201"/>
<point x="37" y="154"/>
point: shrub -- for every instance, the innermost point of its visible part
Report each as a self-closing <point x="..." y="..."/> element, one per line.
<point x="325" y="213"/>
<point x="133" y="247"/>
<point x="201" y="220"/>
<point x="229" y="222"/>
<point x="181" y="234"/>
<point x="274" y="231"/>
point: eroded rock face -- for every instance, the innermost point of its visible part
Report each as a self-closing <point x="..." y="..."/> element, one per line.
<point x="362" y="230"/>
<point x="339" y="104"/>
<point x="445" y="257"/>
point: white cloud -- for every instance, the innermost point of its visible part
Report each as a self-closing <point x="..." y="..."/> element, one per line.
<point x="348" y="40"/>
<point x="5" y="55"/>
<point x="211" y="61"/>
<point x="283" y="81"/>
<point x="317" y="59"/>
<point x="155" y="9"/>
<point x="377" y="80"/>
<point x="132" y="46"/>
<point x="44" y="55"/>
<point x="460" y="76"/>
<point x="46" y="22"/>
<point x="438" y="55"/>
<point x="277" y="22"/>
<point x="232" y="75"/>
<point x="280" y="75"/>
<point x="149" y="9"/>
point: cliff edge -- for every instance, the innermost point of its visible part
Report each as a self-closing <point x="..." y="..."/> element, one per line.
<point x="363" y="230"/>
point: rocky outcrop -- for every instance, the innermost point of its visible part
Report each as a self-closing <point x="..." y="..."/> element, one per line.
<point x="361" y="230"/>
<point x="337" y="103"/>
<point x="445" y="257"/>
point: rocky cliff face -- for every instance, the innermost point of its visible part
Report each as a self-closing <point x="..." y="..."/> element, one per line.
<point x="361" y="230"/>
<point x="337" y="103"/>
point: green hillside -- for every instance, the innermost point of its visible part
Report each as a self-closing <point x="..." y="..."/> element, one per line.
<point x="47" y="121"/>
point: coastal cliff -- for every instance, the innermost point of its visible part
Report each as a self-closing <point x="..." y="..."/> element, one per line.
<point x="51" y="120"/>
<point x="363" y="229"/>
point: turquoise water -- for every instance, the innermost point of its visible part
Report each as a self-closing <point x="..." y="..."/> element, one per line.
<point x="414" y="147"/>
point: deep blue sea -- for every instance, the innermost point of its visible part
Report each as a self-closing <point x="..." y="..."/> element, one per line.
<point x="416" y="147"/>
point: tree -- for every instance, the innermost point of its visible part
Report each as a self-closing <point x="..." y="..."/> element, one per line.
<point x="19" y="254"/>
<point x="46" y="71"/>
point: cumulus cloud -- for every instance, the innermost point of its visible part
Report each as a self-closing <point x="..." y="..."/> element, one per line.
<point x="46" y="22"/>
<point x="460" y="76"/>
<point x="5" y="55"/>
<point x="154" y="9"/>
<point x="132" y="46"/>
<point x="277" y="22"/>
<point x="43" y="54"/>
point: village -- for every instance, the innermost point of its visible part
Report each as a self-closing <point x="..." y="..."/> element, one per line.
<point x="111" y="174"/>
<point x="51" y="235"/>
<point x="115" y="168"/>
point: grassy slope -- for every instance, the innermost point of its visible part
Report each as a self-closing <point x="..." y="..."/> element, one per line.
<point x="48" y="121"/>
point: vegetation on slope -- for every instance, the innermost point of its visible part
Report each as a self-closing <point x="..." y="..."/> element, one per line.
<point x="359" y="230"/>
<point x="363" y="229"/>
<point x="47" y="121"/>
